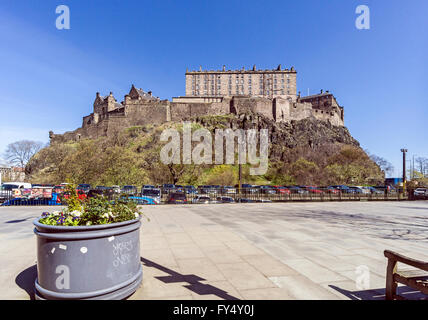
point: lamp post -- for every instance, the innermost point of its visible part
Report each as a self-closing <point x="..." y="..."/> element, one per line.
<point x="404" y="170"/>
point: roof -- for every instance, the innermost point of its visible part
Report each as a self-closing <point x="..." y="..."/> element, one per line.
<point x="317" y="95"/>
<point x="144" y="95"/>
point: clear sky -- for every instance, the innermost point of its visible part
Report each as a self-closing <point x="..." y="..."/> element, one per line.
<point x="49" y="77"/>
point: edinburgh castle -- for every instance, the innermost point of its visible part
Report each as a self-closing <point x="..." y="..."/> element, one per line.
<point x="272" y="93"/>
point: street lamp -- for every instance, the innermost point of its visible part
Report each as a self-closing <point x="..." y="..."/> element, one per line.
<point x="404" y="170"/>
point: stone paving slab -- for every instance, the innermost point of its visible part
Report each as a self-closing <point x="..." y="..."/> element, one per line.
<point x="247" y="251"/>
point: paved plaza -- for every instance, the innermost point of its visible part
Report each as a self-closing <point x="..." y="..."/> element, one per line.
<point x="248" y="251"/>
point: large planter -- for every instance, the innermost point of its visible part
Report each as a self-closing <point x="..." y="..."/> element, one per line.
<point x="88" y="262"/>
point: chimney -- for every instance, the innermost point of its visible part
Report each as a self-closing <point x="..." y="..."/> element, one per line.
<point x="224" y="68"/>
<point x="98" y="94"/>
<point x="254" y="67"/>
<point x="150" y="93"/>
<point x="321" y="91"/>
<point x="279" y="68"/>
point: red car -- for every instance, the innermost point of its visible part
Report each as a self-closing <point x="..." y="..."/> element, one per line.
<point x="314" y="189"/>
<point x="282" y="190"/>
<point x="331" y="190"/>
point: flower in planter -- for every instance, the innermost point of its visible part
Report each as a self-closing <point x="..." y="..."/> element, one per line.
<point x="92" y="211"/>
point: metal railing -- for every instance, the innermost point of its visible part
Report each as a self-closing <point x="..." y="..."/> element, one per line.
<point x="8" y="198"/>
<point x="225" y="195"/>
<point x="214" y="195"/>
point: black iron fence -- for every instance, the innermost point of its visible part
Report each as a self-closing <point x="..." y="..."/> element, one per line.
<point x="246" y="195"/>
<point x="10" y="198"/>
<point x="222" y="195"/>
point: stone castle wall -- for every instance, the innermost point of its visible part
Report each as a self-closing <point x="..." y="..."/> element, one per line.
<point x="139" y="108"/>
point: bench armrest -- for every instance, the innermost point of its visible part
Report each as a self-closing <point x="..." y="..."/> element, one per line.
<point x="409" y="261"/>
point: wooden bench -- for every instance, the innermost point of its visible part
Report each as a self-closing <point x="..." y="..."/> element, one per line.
<point x="416" y="279"/>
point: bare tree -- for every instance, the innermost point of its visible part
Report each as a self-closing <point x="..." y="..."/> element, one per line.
<point x="20" y="152"/>
<point x="384" y="164"/>
<point x="422" y="164"/>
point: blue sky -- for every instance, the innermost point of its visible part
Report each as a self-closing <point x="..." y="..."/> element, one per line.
<point x="49" y="77"/>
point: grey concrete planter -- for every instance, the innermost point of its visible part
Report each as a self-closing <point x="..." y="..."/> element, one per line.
<point x="88" y="262"/>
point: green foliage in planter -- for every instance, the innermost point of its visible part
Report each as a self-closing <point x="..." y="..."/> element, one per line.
<point x="92" y="211"/>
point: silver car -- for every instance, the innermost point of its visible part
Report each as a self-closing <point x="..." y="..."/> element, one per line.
<point x="201" y="199"/>
<point x="420" y="192"/>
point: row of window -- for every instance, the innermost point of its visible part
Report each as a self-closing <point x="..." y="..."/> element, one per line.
<point x="249" y="76"/>
<point x="240" y="91"/>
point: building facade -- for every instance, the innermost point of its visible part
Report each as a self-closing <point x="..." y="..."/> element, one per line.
<point x="256" y="83"/>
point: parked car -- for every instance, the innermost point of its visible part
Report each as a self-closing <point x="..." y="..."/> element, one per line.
<point x="81" y="194"/>
<point x="190" y="190"/>
<point x="95" y="193"/>
<point x="344" y="189"/>
<point x="266" y="189"/>
<point x="147" y="186"/>
<point x="356" y="190"/>
<point x="373" y="190"/>
<point x="225" y="199"/>
<point x="168" y="188"/>
<point x="245" y="200"/>
<point x="201" y="199"/>
<point x="179" y="188"/>
<point x="176" y="197"/>
<point x="297" y="190"/>
<point x="132" y="190"/>
<point x="281" y="190"/>
<point x="365" y="190"/>
<point x="420" y="193"/>
<point x="152" y="193"/>
<point x="314" y="190"/>
<point x="206" y="189"/>
<point x="216" y="189"/>
<point x="140" y="200"/>
<point x="331" y="190"/>
<point x="84" y="187"/>
<point x="247" y="188"/>
<point x="228" y="190"/>
<point x="45" y="185"/>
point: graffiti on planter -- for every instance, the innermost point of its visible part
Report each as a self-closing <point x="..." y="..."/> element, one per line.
<point x="121" y="252"/>
<point x="63" y="280"/>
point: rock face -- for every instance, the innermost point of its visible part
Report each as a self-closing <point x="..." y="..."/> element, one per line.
<point x="310" y="150"/>
<point x="308" y="132"/>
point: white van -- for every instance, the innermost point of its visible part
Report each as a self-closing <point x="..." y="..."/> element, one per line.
<point x="16" y="185"/>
